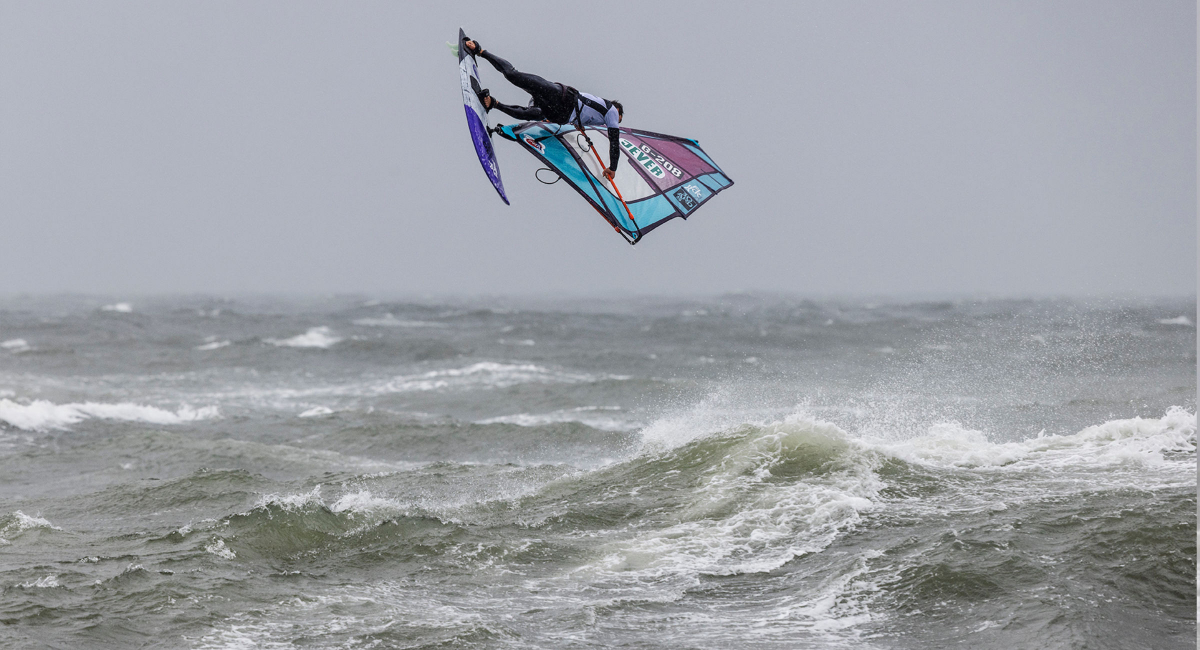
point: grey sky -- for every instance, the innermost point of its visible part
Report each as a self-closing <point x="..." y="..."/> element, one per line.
<point x="877" y="147"/>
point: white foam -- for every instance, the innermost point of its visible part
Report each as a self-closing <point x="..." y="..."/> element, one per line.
<point x="316" y="337"/>
<point x="1135" y="440"/>
<point x="292" y="501"/>
<point x="218" y="548"/>
<point x="41" y="415"/>
<point x="486" y="374"/>
<point x="48" y="582"/>
<point x="389" y="320"/>
<point x="363" y="503"/>
<point x="592" y="416"/>
<point x="316" y="411"/>
<point x="716" y="412"/>
<point x="739" y="521"/>
<point x="120" y="307"/>
<point x="1178" y="320"/>
<point x="325" y="618"/>
<point x="213" y="345"/>
<point x="15" y="345"/>
<point x="21" y="522"/>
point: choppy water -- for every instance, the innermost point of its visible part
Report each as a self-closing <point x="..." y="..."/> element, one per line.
<point x="736" y="472"/>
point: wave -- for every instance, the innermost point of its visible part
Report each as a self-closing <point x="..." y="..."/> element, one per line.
<point x="47" y="582"/>
<point x="18" y="522"/>
<point x="16" y="345"/>
<point x="316" y="337"/>
<point x="485" y="374"/>
<point x="1133" y="440"/>
<point x="213" y="345"/>
<point x="389" y="320"/>
<point x="797" y="499"/>
<point x="592" y="416"/>
<point x="761" y="496"/>
<point x="42" y="415"/>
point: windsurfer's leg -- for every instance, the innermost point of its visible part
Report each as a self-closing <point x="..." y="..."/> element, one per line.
<point x="527" y="113"/>
<point x="541" y="89"/>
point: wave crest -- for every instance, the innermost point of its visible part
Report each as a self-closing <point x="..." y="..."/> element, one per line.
<point x="42" y="415"/>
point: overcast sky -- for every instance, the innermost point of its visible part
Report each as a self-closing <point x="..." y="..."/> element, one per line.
<point x="879" y="147"/>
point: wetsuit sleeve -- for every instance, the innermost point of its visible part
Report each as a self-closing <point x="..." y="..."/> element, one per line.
<point x="614" y="148"/>
<point x="529" y="113"/>
<point x="611" y="120"/>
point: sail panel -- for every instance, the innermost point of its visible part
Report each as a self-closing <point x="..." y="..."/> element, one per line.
<point x="660" y="177"/>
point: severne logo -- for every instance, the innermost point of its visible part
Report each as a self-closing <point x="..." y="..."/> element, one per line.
<point x="644" y="159"/>
<point x="541" y="148"/>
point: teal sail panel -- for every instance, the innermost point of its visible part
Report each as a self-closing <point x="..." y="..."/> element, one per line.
<point x="661" y="176"/>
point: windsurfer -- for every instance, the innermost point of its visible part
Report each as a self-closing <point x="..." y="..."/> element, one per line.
<point x="555" y="102"/>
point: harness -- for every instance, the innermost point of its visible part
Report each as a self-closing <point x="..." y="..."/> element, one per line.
<point x="568" y="100"/>
<point x="581" y="102"/>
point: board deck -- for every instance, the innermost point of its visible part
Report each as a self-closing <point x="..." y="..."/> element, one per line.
<point x="477" y="120"/>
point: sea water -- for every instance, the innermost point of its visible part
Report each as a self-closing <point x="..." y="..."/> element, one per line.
<point x="738" y="471"/>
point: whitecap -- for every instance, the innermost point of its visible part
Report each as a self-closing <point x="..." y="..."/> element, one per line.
<point x="487" y="374"/>
<point x="389" y="320"/>
<point x="316" y="411"/>
<point x="213" y="345"/>
<point x="363" y="503"/>
<point x="771" y="526"/>
<point x="1137" y="440"/>
<point x="48" y="582"/>
<point x="218" y="548"/>
<point x="20" y="522"/>
<point x="592" y="416"/>
<point x="41" y="415"/>
<point x="292" y="501"/>
<point x="316" y="337"/>
<point x="15" y="345"/>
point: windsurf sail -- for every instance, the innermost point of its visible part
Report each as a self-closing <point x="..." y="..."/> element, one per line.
<point x="661" y="177"/>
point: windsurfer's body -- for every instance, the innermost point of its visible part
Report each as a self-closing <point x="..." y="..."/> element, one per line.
<point x="555" y="102"/>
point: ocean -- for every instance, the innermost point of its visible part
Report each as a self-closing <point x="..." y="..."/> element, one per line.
<point x="740" y="471"/>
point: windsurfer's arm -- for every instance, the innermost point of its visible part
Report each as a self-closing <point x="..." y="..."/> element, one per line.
<point x="611" y="120"/>
<point x="614" y="148"/>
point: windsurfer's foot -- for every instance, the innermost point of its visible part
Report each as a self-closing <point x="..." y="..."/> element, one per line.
<point x="472" y="47"/>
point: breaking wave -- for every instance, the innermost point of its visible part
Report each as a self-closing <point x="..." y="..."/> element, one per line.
<point x="316" y="337"/>
<point x="41" y="415"/>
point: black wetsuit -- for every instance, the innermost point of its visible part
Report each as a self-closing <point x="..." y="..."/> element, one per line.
<point x="558" y="103"/>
